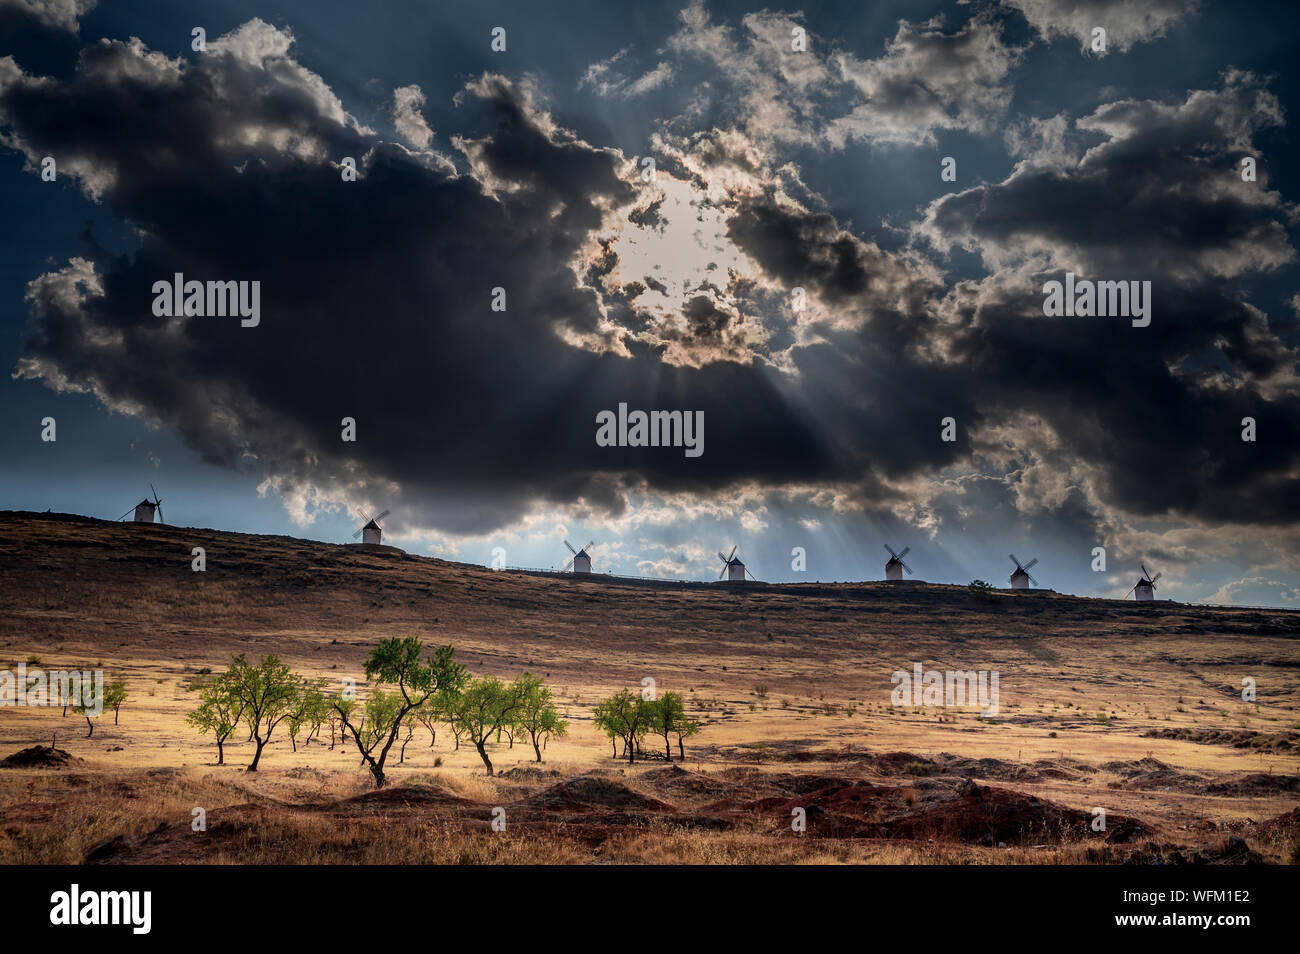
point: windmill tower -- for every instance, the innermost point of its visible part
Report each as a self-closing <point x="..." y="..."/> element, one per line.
<point x="895" y="566"/>
<point x="1020" y="578"/>
<point x="733" y="569"/>
<point x="581" y="559"/>
<point x="371" y="531"/>
<point x="144" y="510"/>
<point x="1144" y="589"/>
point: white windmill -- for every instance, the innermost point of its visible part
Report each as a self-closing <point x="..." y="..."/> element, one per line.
<point x="581" y="559"/>
<point x="733" y="569"/>
<point x="145" y="508"/>
<point x="1144" y="589"/>
<point x="371" y="531"/>
<point x="895" y="566"/>
<point x="1020" y="578"/>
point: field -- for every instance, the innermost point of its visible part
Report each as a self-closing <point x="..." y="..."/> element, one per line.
<point x="1132" y="708"/>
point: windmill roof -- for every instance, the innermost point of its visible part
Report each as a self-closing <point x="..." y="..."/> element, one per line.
<point x="372" y="526"/>
<point x="146" y="503"/>
<point x="1144" y="582"/>
<point x="893" y="559"/>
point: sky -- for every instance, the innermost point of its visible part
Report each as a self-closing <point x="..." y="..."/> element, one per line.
<point x="829" y="229"/>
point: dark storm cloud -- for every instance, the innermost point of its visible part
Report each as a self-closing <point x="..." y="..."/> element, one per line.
<point x="1158" y="409"/>
<point x="376" y="305"/>
<point x="375" y="294"/>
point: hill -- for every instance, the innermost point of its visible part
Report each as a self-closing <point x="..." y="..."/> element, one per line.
<point x="782" y="675"/>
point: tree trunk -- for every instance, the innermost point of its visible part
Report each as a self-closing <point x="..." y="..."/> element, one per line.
<point x="537" y="750"/>
<point x="487" y="762"/>
<point x="680" y="750"/>
<point x="630" y="751"/>
<point x="221" y="752"/>
<point x="92" y="727"/>
<point x="116" y="712"/>
<point x="668" y="749"/>
<point x="293" y="740"/>
<point x="257" y="756"/>
<point x="380" y="778"/>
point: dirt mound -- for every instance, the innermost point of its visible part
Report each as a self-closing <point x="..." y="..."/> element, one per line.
<point x="588" y="793"/>
<point x="1235" y="738"/>
<point x="678" y="782"/>
<point x="1256" y="783"/>
<point x="898" y="763"/>
<point x="402" y="795"/>
<point x="992" y="816"/>
<point x="1150" y="774"/>
<point x="39" y="756"/>
<point x="528" y="773"/>
<point x="1283" y="826"/>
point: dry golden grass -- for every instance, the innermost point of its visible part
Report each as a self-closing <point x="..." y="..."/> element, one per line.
<point x="775" y="673"/>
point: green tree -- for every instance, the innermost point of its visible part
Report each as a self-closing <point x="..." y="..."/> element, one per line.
<point x="310" y="709"/>
<point x="266" y="693"/>
<point x="668" y="716"/>
<point x="483" y="708"/>
<point x="537" y="715"/>
<point x="625" y="715"/>
<point x="114" y="696"/>
<point x="219" y="711"/>
<point x="396" y="662"/>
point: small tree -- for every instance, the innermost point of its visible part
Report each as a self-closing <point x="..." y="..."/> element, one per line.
<point x="309" y="711"/>
<point x="483" y="708"/>
<point x="219" y="711"/>
<point x="537" y="716"/>
<point x="396" y="662"/>
<point x="625" y="716"/>
<point x="667" y="716"/>
<point x="267" y="694"/>
<point x="114" y="696"/>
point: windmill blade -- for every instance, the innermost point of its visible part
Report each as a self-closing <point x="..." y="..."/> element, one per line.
<point x="1144" y="570"/>
<point x="590" y="544"/>
<point x="127" y="514"/>
<point x="906" y="567"/>
<point x="1015" y="561"/>
<point x="906" y="551"/>
<point x="1031" y="579"/>
<point x="723" y="572"/>
<point x="751" y="575"/>
<point x="567" y="566"/>
<point x="382" y="516"/>
<point x="365" y="517"/>
<point x="161" y="518"/>
<point x="570" y="546"/>
<point x="357" y="535"/>
<point x="733" y="554"/>
<point x="722" y="558"/>
<point x="891" y="551"/>
<point x="1154" y="578"/>
<point x="155" y="495"/>
<point x="1030" y="565"/>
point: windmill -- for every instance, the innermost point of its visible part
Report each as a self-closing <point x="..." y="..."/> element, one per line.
<point x="371" y="531"/>
<point x="581" y="559"/>
<point x="145" y="508"/>
<point x="895" y="566"/>
<point x="1144" y="589"/>
<point x="733" y="569"/>
<point x="1020" y="578"/>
